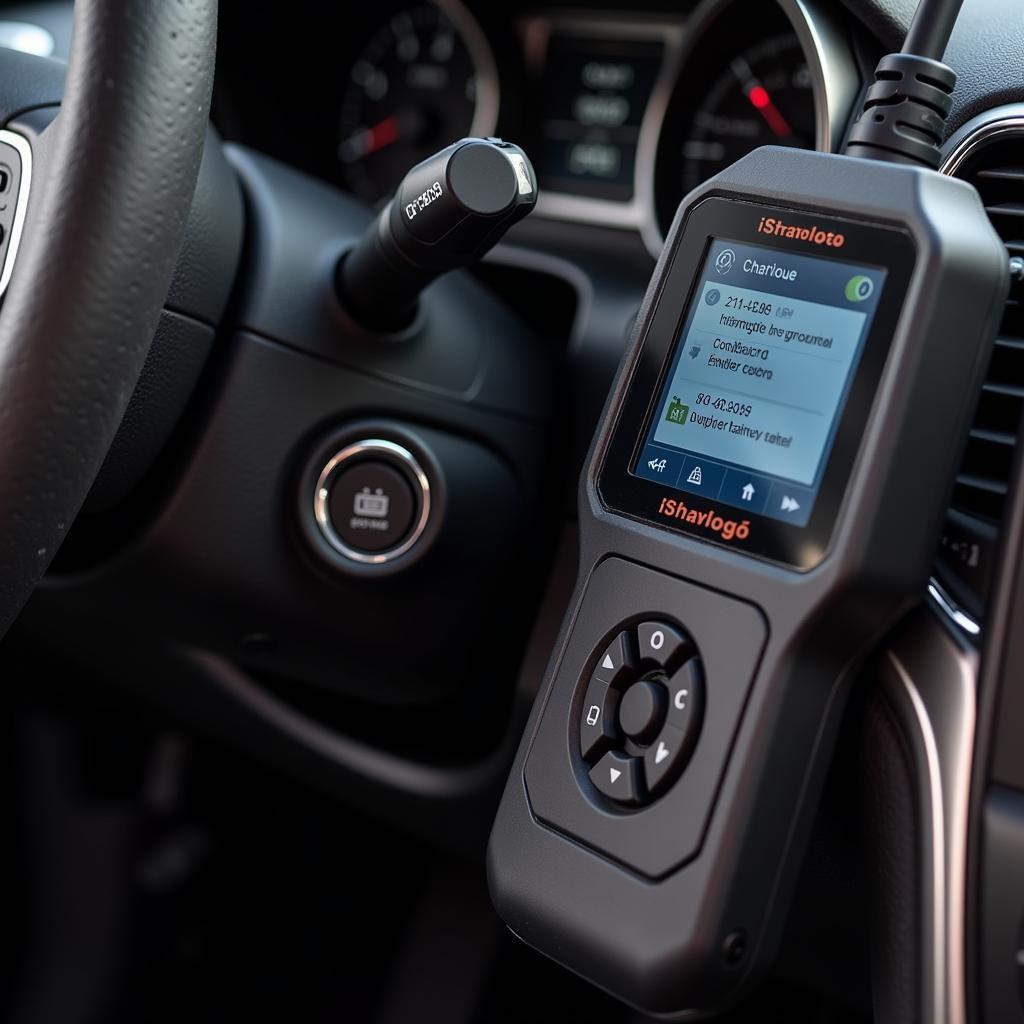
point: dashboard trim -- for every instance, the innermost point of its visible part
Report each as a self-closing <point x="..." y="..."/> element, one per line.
<point x="929" y="676"/>
<point x="836" y="81"/>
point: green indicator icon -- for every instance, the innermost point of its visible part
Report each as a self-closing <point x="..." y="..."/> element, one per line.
<point x="677" y="412"/>
<point x="859" y="288"/>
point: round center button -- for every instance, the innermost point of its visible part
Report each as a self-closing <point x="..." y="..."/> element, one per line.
<point x="371" y="506"/>
<point x="372" y="502"/>
<point x="642" y="710"/>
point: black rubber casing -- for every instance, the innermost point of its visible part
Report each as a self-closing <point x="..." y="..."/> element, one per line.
<point x="677" y="907"/>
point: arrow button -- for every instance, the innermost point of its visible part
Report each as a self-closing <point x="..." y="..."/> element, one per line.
<point x="617" y="777"/>
<point x="616" y="660"/>
<point x="664" y="759"/>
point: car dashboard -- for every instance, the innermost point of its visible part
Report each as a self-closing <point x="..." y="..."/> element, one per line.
<point x="623" y="112"/>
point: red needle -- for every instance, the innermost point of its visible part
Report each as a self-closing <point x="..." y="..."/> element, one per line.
<point x="758" y="96"/>
<point x="382" y="134"/>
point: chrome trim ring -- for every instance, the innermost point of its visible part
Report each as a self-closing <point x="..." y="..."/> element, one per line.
<point x="834" y="74"/>
<point x="20" y="144"/>
<point x="983" y="129"/>
<point x="488" y="86"/>
<point x="392" y="453"/>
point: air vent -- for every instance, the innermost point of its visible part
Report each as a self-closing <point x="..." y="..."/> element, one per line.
<point x="995" y="165"/>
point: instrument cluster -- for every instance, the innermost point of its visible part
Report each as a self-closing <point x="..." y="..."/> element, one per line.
<point x="622" y="113"/>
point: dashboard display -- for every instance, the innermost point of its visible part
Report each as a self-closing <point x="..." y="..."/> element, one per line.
<point x="760" y="375"/>
<point x="593" y="95"/>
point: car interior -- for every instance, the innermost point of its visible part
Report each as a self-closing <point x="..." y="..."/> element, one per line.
<point x="512" y="512"/>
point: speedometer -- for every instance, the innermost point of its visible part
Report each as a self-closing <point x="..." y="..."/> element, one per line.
<point x="763" y="98"/>
<point x="758" y="94"/>
<point x="425" y="79"/>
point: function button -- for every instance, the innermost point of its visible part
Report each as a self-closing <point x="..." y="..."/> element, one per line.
<point x="686" y="697"/>
<point x="664" y="758"/>
<point x="597" y="730"/>
<point x="790" y="503"/>
<point x="371" y="502"/>
<point x="616" y="661"/>
<point x="745" y="490"/>
<point x="660" y="465"/>
<point x="372" y="507"/>
<point x="642" y="710"/>
<point x="701" y="477"/>
<point x="661" y="644"/>
<point x="617" y="777"/>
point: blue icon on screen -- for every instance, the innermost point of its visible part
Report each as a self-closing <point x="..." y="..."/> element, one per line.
<point x="712" y="297"/>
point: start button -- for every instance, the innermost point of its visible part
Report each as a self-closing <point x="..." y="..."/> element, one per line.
<point x="372" y="501"/>
<point x="371" y="506"/>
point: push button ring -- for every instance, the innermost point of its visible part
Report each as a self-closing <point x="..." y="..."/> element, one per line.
<point x="372" y="501"/>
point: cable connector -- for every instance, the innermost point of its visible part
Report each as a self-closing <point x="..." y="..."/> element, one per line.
<point x="905" y="110"/>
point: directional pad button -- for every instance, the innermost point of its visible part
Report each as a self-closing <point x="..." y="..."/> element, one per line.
<point x="663" y="758"/>
<point x="615" y="663"/>
<point x="617" y="777"/>
<point x="661" y="644"/>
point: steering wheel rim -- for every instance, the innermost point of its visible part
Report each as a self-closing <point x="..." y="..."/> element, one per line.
<point x="105" y="220"/>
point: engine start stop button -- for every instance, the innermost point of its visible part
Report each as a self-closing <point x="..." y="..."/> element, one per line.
<point x="372" y="507"/>
<point x="372" y="501"/>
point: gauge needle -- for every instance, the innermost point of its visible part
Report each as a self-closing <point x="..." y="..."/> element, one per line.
<point x="366" y="141"/>
<point x="758" y="96"/>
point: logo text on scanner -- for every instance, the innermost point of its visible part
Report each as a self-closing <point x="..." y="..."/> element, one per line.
<point x="818" y="236"/>
<point x="727" y="529"/>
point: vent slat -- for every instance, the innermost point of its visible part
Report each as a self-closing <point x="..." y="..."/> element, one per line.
<point x="981" y="483"/>
<point x="1000" y="437"/>
<point x="1002" y="174"/>
<point x="1005" y="209"/>
<point x="1012" y="343"/>
<point x="995" y="388"/>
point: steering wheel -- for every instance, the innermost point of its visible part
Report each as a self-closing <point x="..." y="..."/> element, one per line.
<point x="112" y="184"/>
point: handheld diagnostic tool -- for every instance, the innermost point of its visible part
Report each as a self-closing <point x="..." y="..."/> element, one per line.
<point x="761" y="502"/>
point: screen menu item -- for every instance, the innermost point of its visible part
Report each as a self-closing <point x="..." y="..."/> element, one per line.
<point x="759" y="378"/>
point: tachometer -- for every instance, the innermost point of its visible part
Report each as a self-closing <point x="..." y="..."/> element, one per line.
<point x="425" y="79"/>
<point x="758" y="95"/>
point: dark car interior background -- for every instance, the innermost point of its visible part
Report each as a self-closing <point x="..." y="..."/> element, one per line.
<point x="260" y="713"/>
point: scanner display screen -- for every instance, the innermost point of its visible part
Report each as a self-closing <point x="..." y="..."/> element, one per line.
<point x="761" y="371"/>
